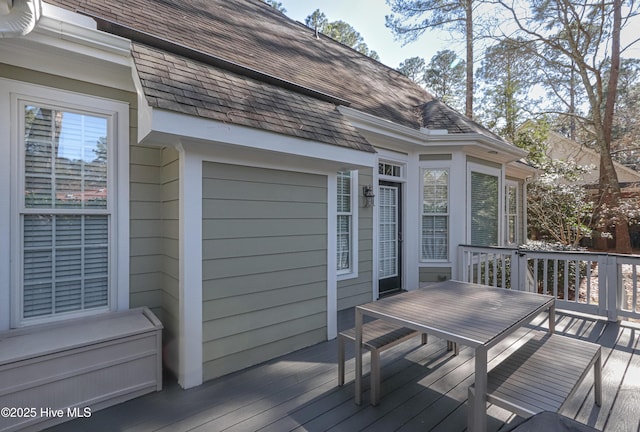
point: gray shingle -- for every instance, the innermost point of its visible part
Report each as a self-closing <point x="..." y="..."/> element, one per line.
<point x="253" y="34"/>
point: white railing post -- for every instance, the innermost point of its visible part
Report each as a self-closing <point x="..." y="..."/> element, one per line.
<point x="523" y="269"/>
<point x="612" y="284"/>
<point x="462" y="265"/>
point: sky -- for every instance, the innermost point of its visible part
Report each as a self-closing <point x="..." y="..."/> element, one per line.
<point x="370" y="25"/>
<point x="367" y="17"/>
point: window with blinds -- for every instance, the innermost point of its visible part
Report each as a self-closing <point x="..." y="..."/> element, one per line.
<point x="511" y="213"/>
<point x="435" y="215"/>
<point x="65" y="213"/>
<point x="485" y="209"/>
<point x="344" y="222"/>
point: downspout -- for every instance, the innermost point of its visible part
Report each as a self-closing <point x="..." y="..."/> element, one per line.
<point x="19" y="17"/>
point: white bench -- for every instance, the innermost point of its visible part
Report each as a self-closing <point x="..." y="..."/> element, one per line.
<point x="542" y="374"/>
<point x="377" y="336"/>
<point x="80" y="364"/>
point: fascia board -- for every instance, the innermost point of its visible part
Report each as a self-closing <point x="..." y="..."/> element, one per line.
<point x="425" y="139"/>
<point x="169" y="128"/>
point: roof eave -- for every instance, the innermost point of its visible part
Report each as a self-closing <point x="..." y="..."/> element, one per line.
<point x="408" y="138"/>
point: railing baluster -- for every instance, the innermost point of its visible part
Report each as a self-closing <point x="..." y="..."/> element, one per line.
<point x="535" y="274"/>
<point x="588" y="299"/>
<point x="555" y="277"/>
<point x="545" y="276"/>
<point x="634" y="308"/>
<point x="565" y="285"/>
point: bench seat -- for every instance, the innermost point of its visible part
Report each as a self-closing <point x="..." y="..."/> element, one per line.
<point x="377" y="336"/>
<point x="542" y="374"/>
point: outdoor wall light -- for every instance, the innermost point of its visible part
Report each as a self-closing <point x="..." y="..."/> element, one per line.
<point x="367" y="193"/>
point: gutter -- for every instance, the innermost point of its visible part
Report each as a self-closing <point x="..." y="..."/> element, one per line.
<point x="19" y="17"/>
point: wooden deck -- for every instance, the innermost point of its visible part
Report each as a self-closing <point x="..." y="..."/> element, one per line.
<point x="424" y="388"/>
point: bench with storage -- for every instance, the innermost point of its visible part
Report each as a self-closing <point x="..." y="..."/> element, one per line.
<point x="542" y="374"/>
<point x="377" y="336"/>
<point x="73" y="368"/>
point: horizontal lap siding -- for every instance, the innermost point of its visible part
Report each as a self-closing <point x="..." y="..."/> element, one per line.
<point x="264" y="264"/>
<point x="355" y="291"/>
<point x="434" y="274"/>
<point x="154" y="196"/>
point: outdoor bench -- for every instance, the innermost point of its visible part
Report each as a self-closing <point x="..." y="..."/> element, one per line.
<point x="377" y="336"/>
<point x="51" y="373"/>
<point x="542" y="374"/>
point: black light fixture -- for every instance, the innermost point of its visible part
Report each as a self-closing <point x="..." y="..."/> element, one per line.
<point x="367" y="193"/>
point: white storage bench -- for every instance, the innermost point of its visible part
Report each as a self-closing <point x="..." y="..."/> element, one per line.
<point x="53" y="373"/>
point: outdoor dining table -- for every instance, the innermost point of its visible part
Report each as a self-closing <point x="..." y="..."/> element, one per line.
<point x="469" y="314"/>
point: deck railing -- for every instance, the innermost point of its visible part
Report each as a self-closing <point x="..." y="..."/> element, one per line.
<point x="595" y="283"/>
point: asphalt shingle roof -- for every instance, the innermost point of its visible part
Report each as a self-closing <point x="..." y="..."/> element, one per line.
<point x="254" y="35"/>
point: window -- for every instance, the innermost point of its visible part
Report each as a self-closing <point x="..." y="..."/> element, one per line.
<point x="435" y="215"/>
<point x="345" y="222"/>
<point x="485" y="208"/>
<point x="389" y="169"/>
<point x="511" y="212"/>
<point x="65" y="211"/>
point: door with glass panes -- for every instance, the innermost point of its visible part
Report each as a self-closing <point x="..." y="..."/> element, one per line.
<point x="389" y="238"/>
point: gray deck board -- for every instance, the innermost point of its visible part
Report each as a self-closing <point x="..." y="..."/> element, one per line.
<point x="424" y="388"/>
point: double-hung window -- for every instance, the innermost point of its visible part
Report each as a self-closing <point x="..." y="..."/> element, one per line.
<point x="511" y="213"/>
<point x="65" y="210"/>
<point x="435" y="214"/>
<point x="345" y="223"/>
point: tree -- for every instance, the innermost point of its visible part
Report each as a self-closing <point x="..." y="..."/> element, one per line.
<point x="317" y="21"/>
<point x="586" y="40"/>
<point x="558" y="207"/>
<point x="625" y="144"/>
<point x="415" y="16"/>
<point x="508" y="73"/>
<point x="276" y="5"/>
<point x="339" y="31"/>
<point x="444" y="76"/>
<point x="413" y="68"/>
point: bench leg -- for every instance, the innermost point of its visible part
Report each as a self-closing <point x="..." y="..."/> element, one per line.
<point x="425" y="337"/>
<point x="340" y="361"/>
<point x="470" y="403"/>
<point x="597" y="379"/>
<point x="375" y="377"/>
<point x="453" y="346"/>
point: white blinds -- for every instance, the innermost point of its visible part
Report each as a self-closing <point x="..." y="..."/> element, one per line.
<point x="388" y="241"/>
<point x="65" y="217"/>
<point x="484" y="209"/>
<point x="435" y="214"/>
<point x="344" y="222"/>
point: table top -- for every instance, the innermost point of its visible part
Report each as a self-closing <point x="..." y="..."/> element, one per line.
<point x="462" y="312"/>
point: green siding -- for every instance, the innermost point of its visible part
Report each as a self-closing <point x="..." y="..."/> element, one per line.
<point x="154" y="236"/>
<point x="434" y="274"/>
<point x="264" y="264"/>
<point x="355" y="291"/>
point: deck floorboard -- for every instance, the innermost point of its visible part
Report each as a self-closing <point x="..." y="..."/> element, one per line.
<point x="424" y="388"/>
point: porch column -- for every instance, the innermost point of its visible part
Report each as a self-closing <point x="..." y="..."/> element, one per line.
<point x="190" y="333"/>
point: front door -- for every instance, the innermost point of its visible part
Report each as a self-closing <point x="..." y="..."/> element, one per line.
<point x="389" y="238"/>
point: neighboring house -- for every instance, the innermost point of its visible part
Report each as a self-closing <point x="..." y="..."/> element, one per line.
<point x="220" y="164"/>
<point x="563" y="148"/>
<point x="566" y="149"/>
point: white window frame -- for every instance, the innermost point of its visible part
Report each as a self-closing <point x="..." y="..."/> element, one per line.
<point x="494" y="172"/>
<point x="352" y="271"/>
<point x="508" y="184"/>
<point x="117" y="190"/>
<point x="432" y="167"/>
